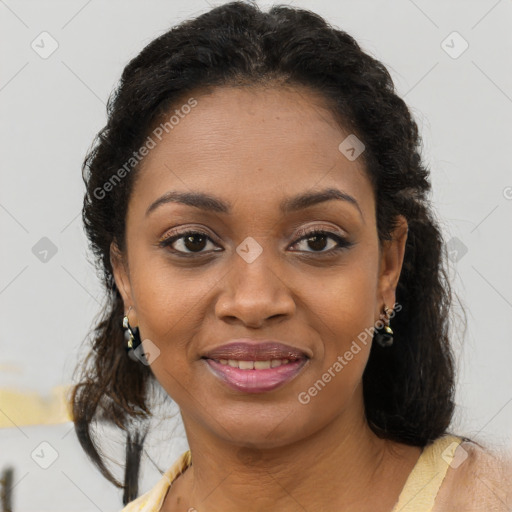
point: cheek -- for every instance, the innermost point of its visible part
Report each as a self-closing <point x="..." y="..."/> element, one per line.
<point x="167" y="296"/>
<point x="342" y="311"/>
<point x="171" y="303"/>
<point x="343" y="301"/>
<point x="346" y="338"/>
<point x="168" y="304"/>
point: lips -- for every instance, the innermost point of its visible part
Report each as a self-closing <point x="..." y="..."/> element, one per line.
<point x="255" y="350"/>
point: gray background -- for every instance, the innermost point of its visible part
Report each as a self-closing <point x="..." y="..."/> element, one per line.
<point x="51" y="108"/>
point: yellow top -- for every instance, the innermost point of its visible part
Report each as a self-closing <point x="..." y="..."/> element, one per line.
<point x="418" y="495"/>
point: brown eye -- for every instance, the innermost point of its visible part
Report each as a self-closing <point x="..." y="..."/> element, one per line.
<point x="189" y="242"/>
<point x="317" y="240"/>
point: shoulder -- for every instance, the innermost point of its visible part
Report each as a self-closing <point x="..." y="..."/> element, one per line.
<point x="478" y="479"/>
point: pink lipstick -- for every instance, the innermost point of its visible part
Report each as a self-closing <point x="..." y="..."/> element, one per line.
<point x="255" y="366"/>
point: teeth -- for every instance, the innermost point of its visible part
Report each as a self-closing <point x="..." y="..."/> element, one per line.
<point x="254" y="365"/>
<point x="262" y="365"/>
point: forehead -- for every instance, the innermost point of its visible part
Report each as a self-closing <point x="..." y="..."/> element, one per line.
<point x="252" y="143"/>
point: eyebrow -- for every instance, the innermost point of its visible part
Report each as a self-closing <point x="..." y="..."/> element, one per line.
<point x="211" y="203"/>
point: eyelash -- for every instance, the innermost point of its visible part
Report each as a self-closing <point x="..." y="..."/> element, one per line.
<point x="342" y="242"/>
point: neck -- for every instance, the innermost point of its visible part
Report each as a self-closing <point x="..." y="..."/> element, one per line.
<point x="346" y="455"/>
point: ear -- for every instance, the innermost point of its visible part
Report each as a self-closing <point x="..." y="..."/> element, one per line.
<point x="121" y="276"/>
<point x="391" y="259"/>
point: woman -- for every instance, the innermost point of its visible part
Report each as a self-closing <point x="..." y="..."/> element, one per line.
<point x="258" y="207"/>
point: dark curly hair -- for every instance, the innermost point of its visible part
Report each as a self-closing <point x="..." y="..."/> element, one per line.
<point x="408" y="387"/>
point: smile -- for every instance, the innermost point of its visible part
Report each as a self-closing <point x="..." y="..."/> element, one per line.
<point x="255" y="376"/>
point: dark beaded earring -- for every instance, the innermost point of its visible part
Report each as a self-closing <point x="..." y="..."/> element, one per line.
<point x="131" y="336"/>
<point x="384" y="336"/>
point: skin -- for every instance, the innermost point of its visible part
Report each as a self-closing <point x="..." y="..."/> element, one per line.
<point x="253" y="147"/>
<point x="482" y="482"/>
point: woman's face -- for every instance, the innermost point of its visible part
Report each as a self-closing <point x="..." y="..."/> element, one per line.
<point x="251" y="272"/>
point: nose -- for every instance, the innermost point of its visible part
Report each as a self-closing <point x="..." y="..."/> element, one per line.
<point x="254" y="293"/>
